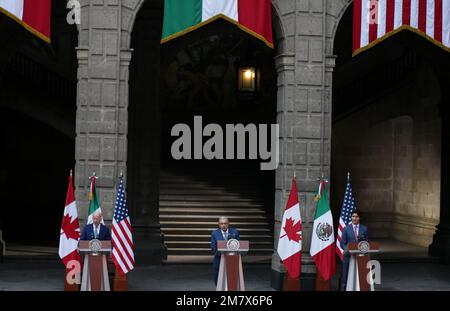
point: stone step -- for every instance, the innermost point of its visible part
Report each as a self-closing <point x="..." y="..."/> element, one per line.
<point x="211" y="211"/>
<point x="206" y="244"/>
<point x="177" y="230"/>
<point x="209" y="224"/>
<point x="210" y="218"/>
<point x="196" y="204"/>
<point x="189" y="197"/>
<point x="207" y="237"/>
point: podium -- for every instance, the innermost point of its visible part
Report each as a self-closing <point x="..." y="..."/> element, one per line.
<point x="95" y="268"/>
<point x="231" y="277"/>
<point x="357" y="277"/>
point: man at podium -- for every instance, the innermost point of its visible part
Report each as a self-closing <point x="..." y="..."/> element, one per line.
<point x="96" y="230"/>
<point x="222" y="233"/>
<point x="353" y="233"/>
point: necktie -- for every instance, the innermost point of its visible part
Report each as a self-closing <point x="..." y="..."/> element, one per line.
<point x="356" y="233"/>
<point x="96" y="232"/>
<point x="225" y="235"/>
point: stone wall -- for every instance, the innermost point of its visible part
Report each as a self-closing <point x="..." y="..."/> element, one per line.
<point x="392" y="149"/>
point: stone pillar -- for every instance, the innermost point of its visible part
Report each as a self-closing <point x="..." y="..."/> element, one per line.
<point x="304" y="88"/>
<point x="441" y="239"/>
<point x="102" y="120"/>
<point x="101" y="111"/>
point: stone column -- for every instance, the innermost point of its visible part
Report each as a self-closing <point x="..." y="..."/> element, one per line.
<point x="304" y="84"/>
<point x="101" y="112"/>
<point x="441" y="239"/>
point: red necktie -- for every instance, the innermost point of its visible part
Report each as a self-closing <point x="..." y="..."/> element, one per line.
<point x="356" y="233"/>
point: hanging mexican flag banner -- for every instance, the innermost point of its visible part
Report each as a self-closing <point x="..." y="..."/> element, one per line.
<point x="252" y="16"/>
<point x="323" y="248"/>
<point x="33" y="15"/>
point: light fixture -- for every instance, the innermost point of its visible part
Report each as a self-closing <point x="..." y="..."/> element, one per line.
<point x="247" y="79"/>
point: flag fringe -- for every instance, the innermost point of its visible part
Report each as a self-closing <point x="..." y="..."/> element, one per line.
<point x="212" y="19"/>
<point x="25" y="25"/>
<point x="396" y="31"/>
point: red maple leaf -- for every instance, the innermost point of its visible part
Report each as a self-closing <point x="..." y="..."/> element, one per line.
<point x="292" y="230"/>
<point x="70" y="229"/>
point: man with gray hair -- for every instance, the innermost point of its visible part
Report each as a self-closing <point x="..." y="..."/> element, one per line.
<point x="96" y="230"/>
<point x="223" y="233"/>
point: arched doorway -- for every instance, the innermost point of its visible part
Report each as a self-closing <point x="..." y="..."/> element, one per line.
<point x="387" y="131"/>
<point x="37" y="134"/>
<point x="195" y="75"/>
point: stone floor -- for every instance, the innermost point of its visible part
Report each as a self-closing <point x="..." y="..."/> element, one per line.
<point x="403" y="268"/>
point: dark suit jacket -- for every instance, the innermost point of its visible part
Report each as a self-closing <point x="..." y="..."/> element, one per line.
<point x="88" y="233"/>
<point x="348" y="236"/>
<point x="217" y="235"/>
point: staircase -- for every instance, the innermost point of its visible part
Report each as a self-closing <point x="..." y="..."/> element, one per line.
<point x="192" y="200"/>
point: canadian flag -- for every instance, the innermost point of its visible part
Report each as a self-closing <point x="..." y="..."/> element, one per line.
<point x="70" y="231"/>
<point x="290" y="242"/>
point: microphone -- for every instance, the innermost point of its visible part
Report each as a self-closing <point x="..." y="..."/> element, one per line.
<point x="362" y="237"/>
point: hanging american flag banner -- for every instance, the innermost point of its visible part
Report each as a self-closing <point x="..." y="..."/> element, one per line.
<point x="348" y="206"/>
<point x="122" y="240"/>
<point x="376" y="20"/>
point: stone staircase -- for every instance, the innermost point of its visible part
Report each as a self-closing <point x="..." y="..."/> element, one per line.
<point x="192" y="200"/>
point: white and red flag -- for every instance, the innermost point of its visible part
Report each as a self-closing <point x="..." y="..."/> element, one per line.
<point x="375" y="20"/>
<point x="290" y="242"/>
<point x="70" y="230"/>
<point x="33" y="15"/>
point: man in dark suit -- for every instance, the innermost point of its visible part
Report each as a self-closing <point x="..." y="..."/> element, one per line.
<point x="223" y="233"/>
<point x="353" y="233"/>
<point x="96" y="230"/>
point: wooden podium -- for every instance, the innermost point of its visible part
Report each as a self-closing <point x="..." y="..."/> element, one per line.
<point x="231" y="277"/>
<point x="357" y="269"/>
<point x="95" y="268"/>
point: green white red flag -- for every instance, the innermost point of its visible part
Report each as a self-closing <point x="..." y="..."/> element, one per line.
<point x="252" y="16"/>
<point x="323" y="247"/>
<point x="94" y="205"/>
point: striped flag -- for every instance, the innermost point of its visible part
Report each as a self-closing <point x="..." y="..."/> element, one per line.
<point x="122" y="239"/>
<point x="375" y="20"/>
<point x="348" y="206"/>
<point x="252" y="16"/>
<point x="33" y="15"/>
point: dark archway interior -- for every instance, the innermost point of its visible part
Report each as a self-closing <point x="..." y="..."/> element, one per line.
<point x="37" y="131"/>
<point x="196" y="75"/>
<point x="387" y="105"/>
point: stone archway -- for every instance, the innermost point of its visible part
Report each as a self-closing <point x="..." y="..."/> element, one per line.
<point x="429" y="204"/>
<point x="304" y="65"/>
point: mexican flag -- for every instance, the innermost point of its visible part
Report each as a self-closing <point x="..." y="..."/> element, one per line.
<point x="290" y="242"/>
<point x="70" y="230"/>
<point x="31" y="14"/>
<point x="252" y="16"/>
<point x="323" y="247"/>
<point x="94" y="205"/>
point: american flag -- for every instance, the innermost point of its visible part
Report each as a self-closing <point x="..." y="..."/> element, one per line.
<point x="346" y="215"/>
<point x="122" y="240"/>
